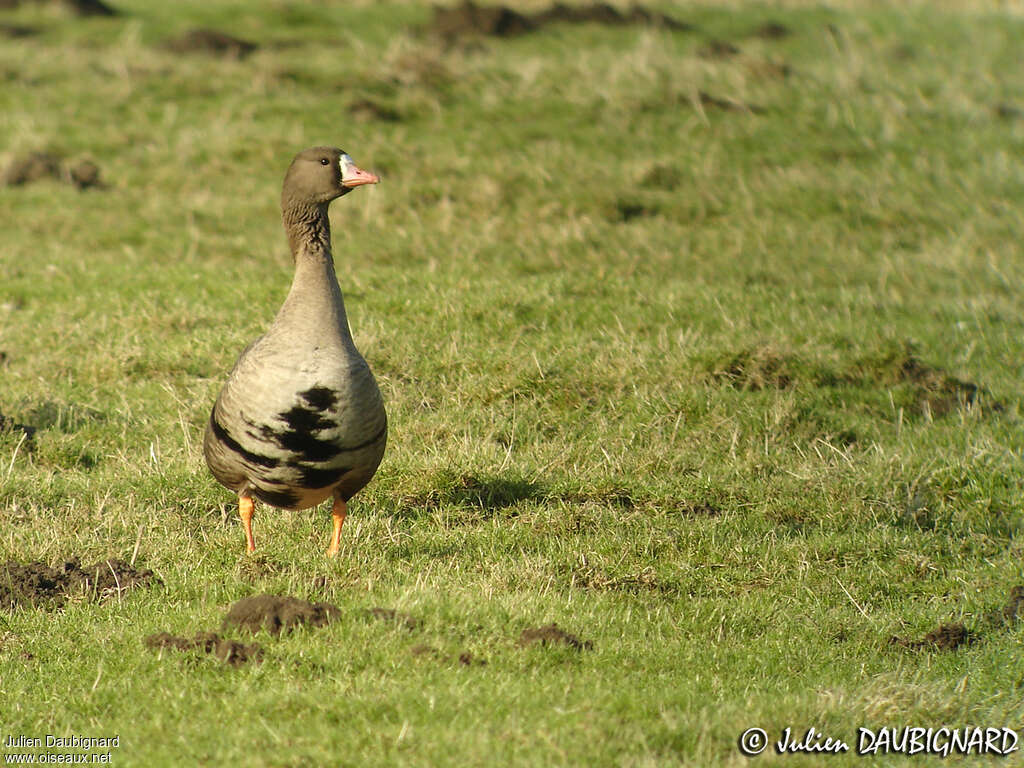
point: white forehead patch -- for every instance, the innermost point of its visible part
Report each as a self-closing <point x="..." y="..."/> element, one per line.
<point x="346" y="163"/>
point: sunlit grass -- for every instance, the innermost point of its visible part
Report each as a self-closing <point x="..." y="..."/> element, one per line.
<point x="714" y="360"/>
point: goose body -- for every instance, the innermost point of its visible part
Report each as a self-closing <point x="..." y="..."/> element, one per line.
<point x="300" y="418"/>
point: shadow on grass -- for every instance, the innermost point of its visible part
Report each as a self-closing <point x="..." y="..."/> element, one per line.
<point x="472" y="497"/>
<point x="483" y="493"/>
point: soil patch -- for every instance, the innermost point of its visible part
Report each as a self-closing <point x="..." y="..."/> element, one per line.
<point x="85" y="174"/>
<point x="277" y="614"/>
<point x="1007" y="111"/>
<point x="32" y="167"/>
<point x="229" y="651"/>
<point x="37" y="166"/>
<point x="38" y="585"/>
<point x="552" y="634"/>
<point x="403" y="620"/>
<point x="772" y="30"/>
<point x="211" y="42"/>
<point x="1010" y="613"/>
<point x="947" y="637"/>
<point x="628" y="209"/>
<point x="931" y="389"/>
<point x="470" y="19"/>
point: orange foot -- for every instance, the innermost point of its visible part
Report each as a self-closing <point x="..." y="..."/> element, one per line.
<point x="245" y="509"/>
<point x="338" y="513"/>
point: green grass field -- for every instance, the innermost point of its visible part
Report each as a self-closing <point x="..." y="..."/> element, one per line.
<point x="705" y="345"/>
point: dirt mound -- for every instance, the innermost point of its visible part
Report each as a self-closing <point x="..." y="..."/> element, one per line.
<point x="36" y="584"/>
<point x="229" y="651"/>
<point x="1007" y="111"/>
<point x="470" y="19"/>
<point x="85" y="174"/>
<point x="37" y="166"/>
<point x="275" y="613"/>
<point x="552" y="634"/>
<point x="929" y="388"/>
<point x="211" y="42"/>
<point x="32" y="167"/>
<point x="1010" y="613"/>
<point x="772" y="30"/>
<point x="947" y="637"/>
<point x="627" y="209"/>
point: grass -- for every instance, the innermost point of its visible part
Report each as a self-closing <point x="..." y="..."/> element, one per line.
<point x="713" y="361"/>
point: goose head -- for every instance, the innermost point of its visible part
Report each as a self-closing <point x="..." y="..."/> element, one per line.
<point x="321" y="174"/>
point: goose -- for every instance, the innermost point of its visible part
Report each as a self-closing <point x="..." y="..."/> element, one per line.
<point x="300" y="418"/>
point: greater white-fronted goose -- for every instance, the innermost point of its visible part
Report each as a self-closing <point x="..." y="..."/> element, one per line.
<point x="300" y="418"/>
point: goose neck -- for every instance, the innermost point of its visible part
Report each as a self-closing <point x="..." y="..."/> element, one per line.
<point x="308" y="228"/>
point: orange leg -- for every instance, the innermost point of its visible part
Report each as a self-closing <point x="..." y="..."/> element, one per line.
<point x="245" y="509"/>
<point x="338" y="512"/>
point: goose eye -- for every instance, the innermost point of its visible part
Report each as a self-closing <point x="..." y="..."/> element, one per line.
<point x="324" y="161"/>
